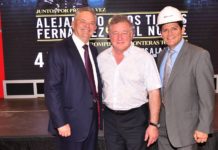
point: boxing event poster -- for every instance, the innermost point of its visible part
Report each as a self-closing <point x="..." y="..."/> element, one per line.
<point x="31" y="27"/>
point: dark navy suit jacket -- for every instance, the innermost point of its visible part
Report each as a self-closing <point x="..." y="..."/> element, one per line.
<point x="67" y="92"/>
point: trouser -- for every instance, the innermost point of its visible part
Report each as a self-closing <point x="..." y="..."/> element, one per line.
<point x="125" y="130"/>
<point x="163" y="140"/>
<point x="90" y="143"/>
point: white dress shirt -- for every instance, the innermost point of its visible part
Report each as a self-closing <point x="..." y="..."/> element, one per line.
<point x="79" y="44"/>
<point x="126" y="85"/>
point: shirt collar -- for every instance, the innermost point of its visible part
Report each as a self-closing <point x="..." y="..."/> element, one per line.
<point x="78" y="42"/>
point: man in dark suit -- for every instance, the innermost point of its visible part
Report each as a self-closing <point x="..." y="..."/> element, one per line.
<point x="73" y="87"/>
<point x="188" y="87"/>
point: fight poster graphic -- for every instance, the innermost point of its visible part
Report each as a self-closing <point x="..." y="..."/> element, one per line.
<point x="31" y="27"/>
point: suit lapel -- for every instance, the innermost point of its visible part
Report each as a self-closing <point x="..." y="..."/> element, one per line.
<point x="75" y="54"/>
<point x="178" y="63"/>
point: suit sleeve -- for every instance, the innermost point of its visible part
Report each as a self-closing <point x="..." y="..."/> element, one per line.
<point x="53" y="88"/>
<point x="205" y="87"/>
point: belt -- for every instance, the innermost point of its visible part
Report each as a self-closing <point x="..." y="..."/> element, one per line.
<point x="123" y="112"/>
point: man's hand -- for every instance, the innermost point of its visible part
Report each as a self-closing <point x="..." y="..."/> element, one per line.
<point x="64" y="130"/>
<point x="151" y="135"/>
<point x="200" y="137"/>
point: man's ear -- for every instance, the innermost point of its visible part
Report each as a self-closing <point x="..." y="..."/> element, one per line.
<point x="72" y="24"/>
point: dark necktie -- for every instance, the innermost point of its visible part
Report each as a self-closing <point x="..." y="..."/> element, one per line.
<point x="89" y="70"/>
<point x="90" y="75"/>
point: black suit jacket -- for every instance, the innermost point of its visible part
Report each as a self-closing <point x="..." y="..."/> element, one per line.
<point x="67" y="91"/>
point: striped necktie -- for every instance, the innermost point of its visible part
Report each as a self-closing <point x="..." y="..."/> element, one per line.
<point x="167" y="71"/>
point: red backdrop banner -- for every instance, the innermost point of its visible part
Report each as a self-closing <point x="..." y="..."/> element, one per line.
<point x="2" y="72"/>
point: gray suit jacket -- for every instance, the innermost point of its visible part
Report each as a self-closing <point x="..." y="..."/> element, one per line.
<point x="189" y="96"/>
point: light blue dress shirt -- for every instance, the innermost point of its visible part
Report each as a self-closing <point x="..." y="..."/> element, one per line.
<point x="174" y="56"/>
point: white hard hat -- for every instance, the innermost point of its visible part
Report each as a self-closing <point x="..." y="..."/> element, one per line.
<point x="169" y="14"/>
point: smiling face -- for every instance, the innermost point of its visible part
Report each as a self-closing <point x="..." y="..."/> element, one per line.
<point x="121" y="35"/>
<point x="172" y="34"/>
<point x="84" y="25"/>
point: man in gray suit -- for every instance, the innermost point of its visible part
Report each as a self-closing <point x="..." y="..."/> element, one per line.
<point x="188" y="87"/>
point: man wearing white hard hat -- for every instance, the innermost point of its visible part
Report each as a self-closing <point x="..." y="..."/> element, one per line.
<point x="188" y="87"/>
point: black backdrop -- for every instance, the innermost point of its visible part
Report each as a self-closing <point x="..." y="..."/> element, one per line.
<point x="30" y="27"/>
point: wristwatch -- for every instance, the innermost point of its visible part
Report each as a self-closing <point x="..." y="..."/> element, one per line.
<point x="157" y="125"/>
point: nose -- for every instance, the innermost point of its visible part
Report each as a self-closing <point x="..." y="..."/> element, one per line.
<point x="170" y="32"/>
<point x="120" y="35"/>
<point x="87" y="25"/>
